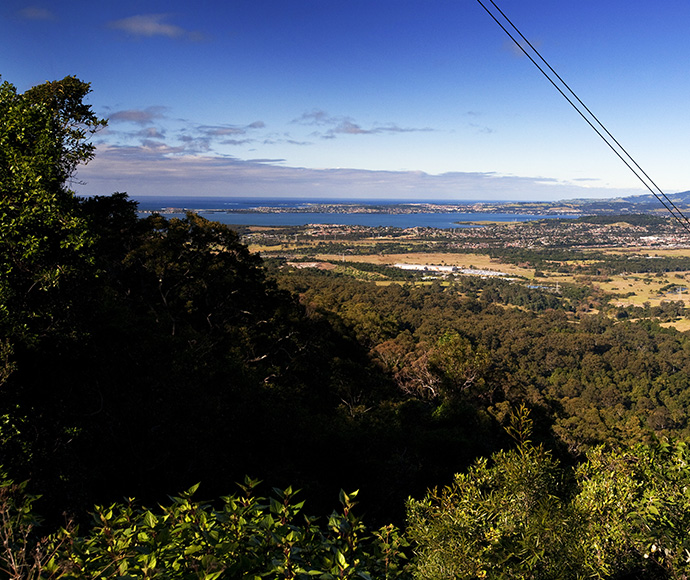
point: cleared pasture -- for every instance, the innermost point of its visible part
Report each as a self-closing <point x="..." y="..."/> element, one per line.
<point x="475" y="261"/>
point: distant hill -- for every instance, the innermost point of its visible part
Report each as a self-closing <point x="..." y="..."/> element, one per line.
<point x="682" y="197"/>
<point x="633" y="204"/>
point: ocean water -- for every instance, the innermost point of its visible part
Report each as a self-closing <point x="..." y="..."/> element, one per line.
<point x="216" y="209"/>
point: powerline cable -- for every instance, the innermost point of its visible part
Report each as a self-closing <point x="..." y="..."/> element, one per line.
<point x="593" y="116"/>
<point x="592" y="120"/>
<point x="684" y="221"/>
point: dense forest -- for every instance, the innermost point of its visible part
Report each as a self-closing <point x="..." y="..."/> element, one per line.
<point x="491" y="430"/>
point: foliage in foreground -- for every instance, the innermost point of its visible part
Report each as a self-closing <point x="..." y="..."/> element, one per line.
<point x="521" y="515"/>
<point x="246" y="537"/>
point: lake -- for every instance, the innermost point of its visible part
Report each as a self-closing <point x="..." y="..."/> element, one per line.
<point x="221" y="210"/>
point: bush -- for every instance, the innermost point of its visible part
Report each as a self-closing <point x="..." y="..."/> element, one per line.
<point x="246" y="537"/>
<point x="521" y="515"/>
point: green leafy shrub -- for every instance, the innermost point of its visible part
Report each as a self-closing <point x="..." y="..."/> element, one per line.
<point x="245" y="537"/>
<point x="501" y="519"/>
<point x="620" y="514"/>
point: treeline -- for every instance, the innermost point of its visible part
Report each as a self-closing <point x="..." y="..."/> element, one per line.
<point x="593" y="263"/>
<point x="590" y="378"/>
<point x="496" y="291"/>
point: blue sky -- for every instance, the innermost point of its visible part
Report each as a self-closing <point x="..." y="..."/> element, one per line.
<point x="417" y="99"/>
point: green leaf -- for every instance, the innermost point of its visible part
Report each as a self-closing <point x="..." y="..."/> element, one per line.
<point x="193" y="549"/>
<point x="150" y="520"/>
<point x="276" y="506"/>
<point x="191" y="491"/>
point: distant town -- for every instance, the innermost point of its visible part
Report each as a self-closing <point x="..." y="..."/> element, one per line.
<point x="631" y="222"/>
<point x="631" y="231"/>
<point x="644" y="204"/>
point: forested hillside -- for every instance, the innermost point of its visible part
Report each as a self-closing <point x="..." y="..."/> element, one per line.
<point x="142" y="356"/>
<point x="490" y="345"/>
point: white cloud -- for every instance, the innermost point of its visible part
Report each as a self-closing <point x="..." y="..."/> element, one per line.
<point x="151" y="133"/>
<point x="156" y="168"/>
<point x="237" y="141"/>
<point x="314" y="117"/>
<point x="149" y="25"/>
<point x="138" y="116"/>
<point x="349" y="128"/>
<point x="346" y="125"/>
<point x="221" y="131"/>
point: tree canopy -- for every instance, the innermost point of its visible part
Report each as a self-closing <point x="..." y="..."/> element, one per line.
<point x="44" y="242"/>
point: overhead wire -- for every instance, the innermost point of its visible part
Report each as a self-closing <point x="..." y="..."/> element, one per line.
<point x="590" y="118"/>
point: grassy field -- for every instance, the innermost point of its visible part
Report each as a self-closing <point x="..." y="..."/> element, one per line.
<point x="475" y="261"/>
<point x="625" y="289"/>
